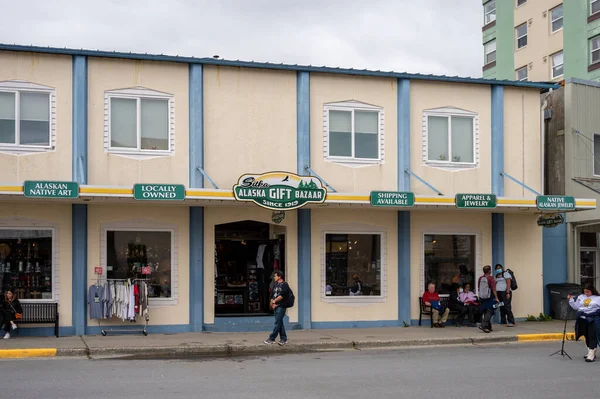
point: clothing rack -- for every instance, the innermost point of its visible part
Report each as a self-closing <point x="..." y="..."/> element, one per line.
<point x="144" y="315"/>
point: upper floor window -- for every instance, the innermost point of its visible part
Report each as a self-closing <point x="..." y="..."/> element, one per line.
<point x="557" y="65"/>
<point x="353" y="132"/>
<point x="594" y="50"/>
<point x="450" y="136"/>
<point x="490" y="52"/>
<point x="522" y="74"/>
<point x="140" y="121"/>
<point x="26" y="117"/>
<point x="556" y="18"/>
<point x="594" y="6"/>
<point x="521" y="35"/>
<point x="521" y="2"/>
<point x="489" y="11"/>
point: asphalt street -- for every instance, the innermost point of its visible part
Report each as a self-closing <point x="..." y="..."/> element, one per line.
<point x="499" y="371"/>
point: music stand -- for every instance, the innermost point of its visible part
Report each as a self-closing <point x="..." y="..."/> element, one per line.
<point x="562" y="351"/>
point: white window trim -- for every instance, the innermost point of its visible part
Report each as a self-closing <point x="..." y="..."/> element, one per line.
<point x="522" y="36"/>
<point x="554" y="20"/>
<point x="354" y="228"/>
<point x="552" y="66"/>
<point x="348" y="106"/>
<point x="139" y="93"/>
<point x="456" y="232"/>
<point x="485" y="46"/>
<point x="594" y="156"/>
<point x="449" y="112"/>
<point x="591" y="3"/>
<point x="17" y="87"/>
<point x="143" y="225"/>
<point x="596" y="50"/>
<point x="485" y="14"/>
<point x="17" y="223"/>
<point x="526" y="73"/>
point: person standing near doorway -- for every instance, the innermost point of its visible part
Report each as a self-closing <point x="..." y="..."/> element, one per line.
<point x="487" y="295"/>
<point x="279" y="304"/>
<point x="505" y="296"/>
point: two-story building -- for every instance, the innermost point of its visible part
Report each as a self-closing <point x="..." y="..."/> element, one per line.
<point x="202" y="176"/>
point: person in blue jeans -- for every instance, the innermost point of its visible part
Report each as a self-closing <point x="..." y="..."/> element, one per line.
<point x="279" y="304"/>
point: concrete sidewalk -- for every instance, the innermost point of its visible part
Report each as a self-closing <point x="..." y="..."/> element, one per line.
<point x="223" y="344"/>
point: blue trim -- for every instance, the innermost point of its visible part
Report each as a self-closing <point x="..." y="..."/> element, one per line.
<point x="135" y="329"/>
<point x="26" y="331"/>
<point x="266" y="65"/>
<point x="313" y="173"/>
<point x="207" y="177"/>
<point x="403" y="134"/>
<point x="525" y="186"/>
<point x="497" y="140"/>
<point x="196" y="125"/>
<point x="422" y="181"/>
<point x="80" y="120"/>
<point x="304" y="265"/>
<point x="79" y="237"/>
<point x="331" y="325"/>
<point x="196" y="268"/>
<point x="554" y="264"/>
<point x="403" y="266"/>
<point x="303" y="121"/>
<point x="497" y="239"/>
<point x="247" y="324"/>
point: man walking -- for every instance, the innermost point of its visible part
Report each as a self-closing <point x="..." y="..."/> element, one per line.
<point x="279" y="304"/>
<point x="504" y="295"/>
<point x="487" y="295"/>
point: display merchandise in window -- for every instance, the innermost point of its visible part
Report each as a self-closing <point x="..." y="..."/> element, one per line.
<point x="353" y="264"/>
<point x="449" y="261"/>
<point x="26" y="263"/>
<point x="141" y="255"/>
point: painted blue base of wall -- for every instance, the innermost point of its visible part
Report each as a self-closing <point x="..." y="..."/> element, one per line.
<point x="136" y="328"/>
<point x="248" y="324"/>
<point x="42" y="332"/>
<point x="332" y="325"/>
<point x="554" y="259"/>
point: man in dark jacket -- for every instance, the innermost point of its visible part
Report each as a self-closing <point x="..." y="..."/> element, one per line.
<point x="455" y="305"/>
<point x="279" y="304"/>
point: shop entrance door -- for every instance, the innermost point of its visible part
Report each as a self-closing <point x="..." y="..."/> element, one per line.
<point x="246" y="255"/>
<point x="588" y="260"/>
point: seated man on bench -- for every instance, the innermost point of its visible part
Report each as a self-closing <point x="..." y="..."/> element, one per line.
<point x="432" y="298"/>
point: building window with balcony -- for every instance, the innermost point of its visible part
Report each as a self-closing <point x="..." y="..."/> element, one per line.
<point x="490" y="52"/>
<point x="521" y="2"/>
<point x="556" y="18"/>
<point x="557" y="65"/>
<point x="27" y="117"/>
<point x="489" y="11"/>
<point x="450" y="137"/>
<point x="594" y="6"/>
<point x="139" y="122"/>
<point x="353" y="133"/>
<point x="521" y="31"/>
<point x="595" y="52"/>
<point x="522" y="74"/>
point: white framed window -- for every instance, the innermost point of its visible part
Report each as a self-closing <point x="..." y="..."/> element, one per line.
<point x="521" y="32"/>
<point x="353" y="133"/>
<point x="139" y="121"/>
<point x="490" y="52"/>
<point x="489" y="11"/>
<point x="29" y="259"/>
<point x="127" y="246"/>
<point x="522" y="74"/>
<point x="450" y="137"/>
<point x="556" y="19"/>
<point x="596" y="154"/>
<point x="521" y="2"/>
<point x="27" y="117"/>
<point x="557" y="65"/>
<point x="594" y="6"/>
<point x="595" y="50"/>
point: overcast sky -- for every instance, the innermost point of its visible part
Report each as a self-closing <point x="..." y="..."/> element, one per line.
<point x="428" y="36"/>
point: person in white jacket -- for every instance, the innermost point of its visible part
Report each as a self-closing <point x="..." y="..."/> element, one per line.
<point x="588" y="311"/>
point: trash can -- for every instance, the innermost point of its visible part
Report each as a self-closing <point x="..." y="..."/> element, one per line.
<point x="559" y="304"/>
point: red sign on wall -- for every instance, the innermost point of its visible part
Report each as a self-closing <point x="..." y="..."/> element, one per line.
<point x="97" y="270"/>
<point x="146" y="270"/>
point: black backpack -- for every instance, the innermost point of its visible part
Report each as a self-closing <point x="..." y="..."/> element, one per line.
<point x="291" y="299"/>
<point x="513" y="281"/>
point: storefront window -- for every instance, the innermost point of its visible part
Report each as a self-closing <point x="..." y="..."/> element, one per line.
<point x="26" y="263"/>
<point x="449" y="261"/>
<point x="353" y="264"/>
<point x="141" y="255"/>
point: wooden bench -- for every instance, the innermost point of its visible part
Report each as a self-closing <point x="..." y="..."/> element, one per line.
<point x="426" y="310"/>
<point x="40" y="313"/>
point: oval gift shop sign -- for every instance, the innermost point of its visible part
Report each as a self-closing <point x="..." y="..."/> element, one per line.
<point x="280" y="190"/>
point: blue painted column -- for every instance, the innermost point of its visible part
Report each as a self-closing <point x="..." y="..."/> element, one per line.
<point x="554" y="259"/>
<point x="497" y="179"/>
<point x="79" y="233"/>
<point x="304" y="216"/>
<point x="196" y="122"/>
<point x="404" y="294"/>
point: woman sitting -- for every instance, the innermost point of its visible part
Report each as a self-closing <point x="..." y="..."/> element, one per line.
<point x="468" y="298"/>
<point x="456" y="305"/>
<point x="588" y="318"/>
<point x="12" y="311"/>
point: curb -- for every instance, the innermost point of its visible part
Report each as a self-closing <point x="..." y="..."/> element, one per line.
<point x="26" y="353"/>
<point x="545" y="337"/>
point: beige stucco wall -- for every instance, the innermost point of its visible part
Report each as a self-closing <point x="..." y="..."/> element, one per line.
<point x="524" y="257"/>
<point x="219" y="215"/>
<point x="473" y="98"/>
<point x="157" y="217"/>
<point x="249" y="122"/>
<point x="540" y="41"/>
<point x="441" y="222"/>
<point x="21" y="214"/>
<point x="348" y="221"/>
<point x="53" y="71"/>
<point x="374" y="91"/>
<point x="522" y="141"/>
<point x="117" y="170"/>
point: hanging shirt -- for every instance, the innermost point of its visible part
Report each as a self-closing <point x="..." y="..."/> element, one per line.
<point x="259" y="256"/>
<point x="131" y="307"/>
<point x="95" y="297"/>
